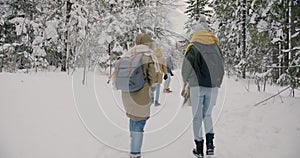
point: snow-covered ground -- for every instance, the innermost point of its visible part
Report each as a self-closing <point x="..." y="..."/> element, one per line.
<point x="52" y="115"/>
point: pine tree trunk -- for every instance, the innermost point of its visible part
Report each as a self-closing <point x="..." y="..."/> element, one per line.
<point x="85" y="49"/>
<point x="110" y="58"/>
<point x="197" y="10"/>
<point x="84" y="62"/>
<point x="1" y="63"/>
<point x="286" y="47"/>
<point x="244" y="35"/>
<point x="14" y="66"/>
<point x="290" y="30"/>
<point x="66" y="38"/>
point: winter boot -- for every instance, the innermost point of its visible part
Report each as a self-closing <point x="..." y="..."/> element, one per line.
<point x="210" y="144"/>
<point x="156" y="103"/>
<point x="167" y="90"/>
<point x="198" y="152"/>
<point x="135" y="156"/>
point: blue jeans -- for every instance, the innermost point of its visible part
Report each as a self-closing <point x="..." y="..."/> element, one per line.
<point x="156" y="90"/>
<point x="157" y="93"/>
<point x="136" y="134"/>
<point x="203" y="99"/>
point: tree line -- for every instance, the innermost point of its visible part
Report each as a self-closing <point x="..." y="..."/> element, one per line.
<point x="259" y="38"/>
<point x="68" y="34"/>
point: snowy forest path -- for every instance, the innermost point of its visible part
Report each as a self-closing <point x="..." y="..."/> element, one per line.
<point x="53" y="115"/>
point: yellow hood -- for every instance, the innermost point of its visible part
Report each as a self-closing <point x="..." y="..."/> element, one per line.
<point x="203" y="37"/>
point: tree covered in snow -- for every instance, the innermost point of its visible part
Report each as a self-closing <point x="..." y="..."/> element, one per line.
<point x="225" y="29"/>
<point x="231" y="20"/>
<point x="68" y="33"/>
<point x="17" y="32"/>
<point x="263" y="39"/>
<point x="194" y="9"/>
<point x="121" y="21"/>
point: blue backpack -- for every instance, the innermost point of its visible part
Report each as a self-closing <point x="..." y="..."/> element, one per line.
<point x="130" y="76"/>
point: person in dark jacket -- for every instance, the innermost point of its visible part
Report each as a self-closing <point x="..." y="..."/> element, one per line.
<point x="167" y="77"/>
<point x="203" y="70"/>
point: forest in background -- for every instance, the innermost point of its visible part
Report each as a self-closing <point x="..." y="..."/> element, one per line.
<point x="259" y="38"/>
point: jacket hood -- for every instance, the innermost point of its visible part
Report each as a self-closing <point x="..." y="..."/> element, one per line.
<point x="204" y="37"/>
<point x="143" y="39"/>
<point x="158" y="52"/>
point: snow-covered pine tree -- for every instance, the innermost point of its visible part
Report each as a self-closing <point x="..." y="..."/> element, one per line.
<point x="49" y="30"/>
<point x="21" y="15"/>
<point x="7" y="34"/>
<point x="291" y="45"/>
<point x="260" y="49"/>
<point x="58" y="28"/>
<point x="230" y="32"/>
<point x="127" y="19"/>
<point x="194" y="9"/>
<point x="272" y="32"/>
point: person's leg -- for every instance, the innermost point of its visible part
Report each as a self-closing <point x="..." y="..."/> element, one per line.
<point x="136" y="133"/>
<point x="156" y="102"/>
<point x="152" y="90"/>
<point x="167" y="82"/>
<point x="157" y="93"/>
<point x="208" y="105"/>
<point x="197" y="100"/>
<point x="197" y="106"/>
<point x="167" y="85"/>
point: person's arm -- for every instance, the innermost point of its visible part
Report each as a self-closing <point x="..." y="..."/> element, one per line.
<point x="188" y="65"/>
<point x="172" y="64"/>
<point x="165" y="71"/>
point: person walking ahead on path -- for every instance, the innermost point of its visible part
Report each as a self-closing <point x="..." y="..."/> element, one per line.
<point x="162" y="74"/>
<point x="170" y="68"/>
<point x="203" y="70"/>
<point x="137" y="103"/>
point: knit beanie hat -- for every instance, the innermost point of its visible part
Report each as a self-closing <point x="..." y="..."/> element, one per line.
<point x="202" y="25"/>
<point x="202" y="19"/>
<point x="143" y="39"/>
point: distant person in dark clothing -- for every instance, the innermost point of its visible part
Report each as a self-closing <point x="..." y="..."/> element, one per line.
<point x="167" y="77"/>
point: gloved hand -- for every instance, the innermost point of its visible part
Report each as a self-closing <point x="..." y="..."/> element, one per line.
<point x="171" y="73"/>
<point x="165" y="76"/>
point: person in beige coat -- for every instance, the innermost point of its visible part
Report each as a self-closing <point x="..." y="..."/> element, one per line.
<point x="137" y="104"/>
<point x="161" y="74"/>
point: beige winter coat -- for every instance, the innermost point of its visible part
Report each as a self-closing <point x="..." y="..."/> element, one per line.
<point x="162" y="65"/>
<point x="137" y="104"/>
